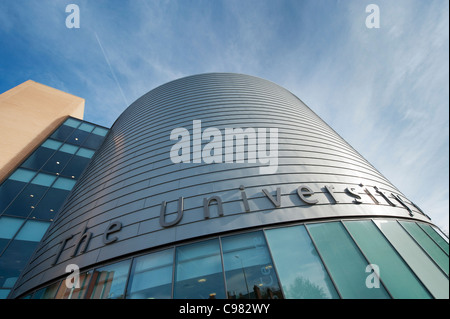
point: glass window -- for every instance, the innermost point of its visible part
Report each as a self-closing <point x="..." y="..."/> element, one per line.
<point x="395" y="274"/>
<point x="67" y="290"/>
<point x="430" y="247"/>
<point x="50" y="204"/>
<point x="346" y="264"/>
<point x="299" y="267"/>
<point x="47" y="292"/>
<point x="41" y="155"/>
<point x="14" y="260"/>
<point x="75" y="167"/>
<point x="22" y="175"/>
<point x="72" y="122"/>
<point x="93" y="141"/>
<point x="84" y="152"/>
<point x="8" y="228"/>
<point x="32" y="231"/>
<point x="109" y="282"/>
<point x="430" y="275"/>
<point x="100" y="131"/>
<point x="26" y="201"/>
<point x="8" y="191"/>
<point x="86" y="127"/>
<point x="441" y="240"/>
<point x="198" y="271"/>
<point x="43" y="179"/>
<point x="248" y="268"/>
<point x="77" y="137"/>
<point x="151" y="276"/>
<point x="4" y="293"/>
<point x="64" y="183"/>
<point x="63" y="132"/>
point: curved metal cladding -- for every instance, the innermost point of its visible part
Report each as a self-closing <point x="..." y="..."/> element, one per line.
<point x="134" y="197"/>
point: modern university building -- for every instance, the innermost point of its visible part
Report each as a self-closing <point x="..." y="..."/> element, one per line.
<point x="211" y="186"/>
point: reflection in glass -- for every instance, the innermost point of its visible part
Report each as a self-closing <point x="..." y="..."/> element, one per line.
<point x="248" y="267"/>
<point x="398" y="278"/>
<point x="198" y="271"/>
<point x="26" y="200"/>
<point x="345" y="262"/>
<point x="151" y="276"/>
<point x="299" y="267"/>
<point x="109" y="282"/>
<point x="47" y="292"/>
<point x="68" y="290"/>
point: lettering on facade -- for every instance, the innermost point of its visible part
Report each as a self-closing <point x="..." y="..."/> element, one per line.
<point x="304" y="193"/>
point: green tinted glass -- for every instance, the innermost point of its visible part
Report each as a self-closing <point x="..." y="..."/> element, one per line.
<point x="395" y="274"/>
<point x="346" y="264"/>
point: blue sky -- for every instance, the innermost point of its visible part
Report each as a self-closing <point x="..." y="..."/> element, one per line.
<point x="383" y="90"/>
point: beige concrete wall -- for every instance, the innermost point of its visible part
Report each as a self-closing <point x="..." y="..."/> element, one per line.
<point x="28" y="114"/>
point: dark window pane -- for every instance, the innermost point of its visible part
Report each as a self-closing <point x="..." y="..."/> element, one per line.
<point x="151" y="276"/>
<point x="93" y="141"/>
<point x="75" y="167"/>
<point x="47" y="292"/>
<point x="57" y="163"/>
<point x="26" y="201"/>
<point x="14" y="260"/>
<point x="248" y="267"/>
<point x="50" y="204"/>
<point x="8" y="191"/>
<point x="62" y="133"/>
<point x="38" y="158"/>
<point x="198" y="271"/>
<point x="77" y="137"/>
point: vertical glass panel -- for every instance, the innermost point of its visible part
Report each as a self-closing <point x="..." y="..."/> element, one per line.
<point x="86" y="127"/>
<point x="4" y="293"/>
<point x="72" y="122"/>
<point x="44" y="179"/>
<point x="64" y="183"/>
<point x="67" y="290"/>
<point x="84" y="152"/>
<point x="151" y="276"/>
<point x="8" y="191"/>
<point x="100" y="131"/>
<point x="47" y="292"/>
<point x="69" y="149"/>
<point x="32" y="231"/>
<point x="22" y="175"/>
<point x="14" y="260"/>
<point x="430" y="247"/>
<point x="9" y="226"/>
<point x="441" y="240"/>
<point x="110" y="281"/>
<point x="430" y="275"/>
<point x="57" y="162"/>
<point x="299" y="267"/>
<point x="248" y="267"/>
<point x="93" y="141"/>
<point x="75" y="167"/>
<point x="51" y="144"/>
<point x="398" y="278"/>
<point x="77" y="137"/>
<point x="63" y="132"/>
<point x="38" y="158"/>
<point x="198" y="271"/>
<point x="50" y="204"/>
<point x="346" y="264"/>
<point x="26" y="201"/>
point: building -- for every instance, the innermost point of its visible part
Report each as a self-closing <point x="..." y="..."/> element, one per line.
<point x="44" y="149"/>
<point x="228" y="186"/>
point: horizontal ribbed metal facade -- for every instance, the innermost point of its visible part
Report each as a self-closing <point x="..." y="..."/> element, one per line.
<point x="132" y="174"/>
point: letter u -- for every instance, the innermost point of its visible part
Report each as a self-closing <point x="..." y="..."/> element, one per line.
<point x="162" y="215"/>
